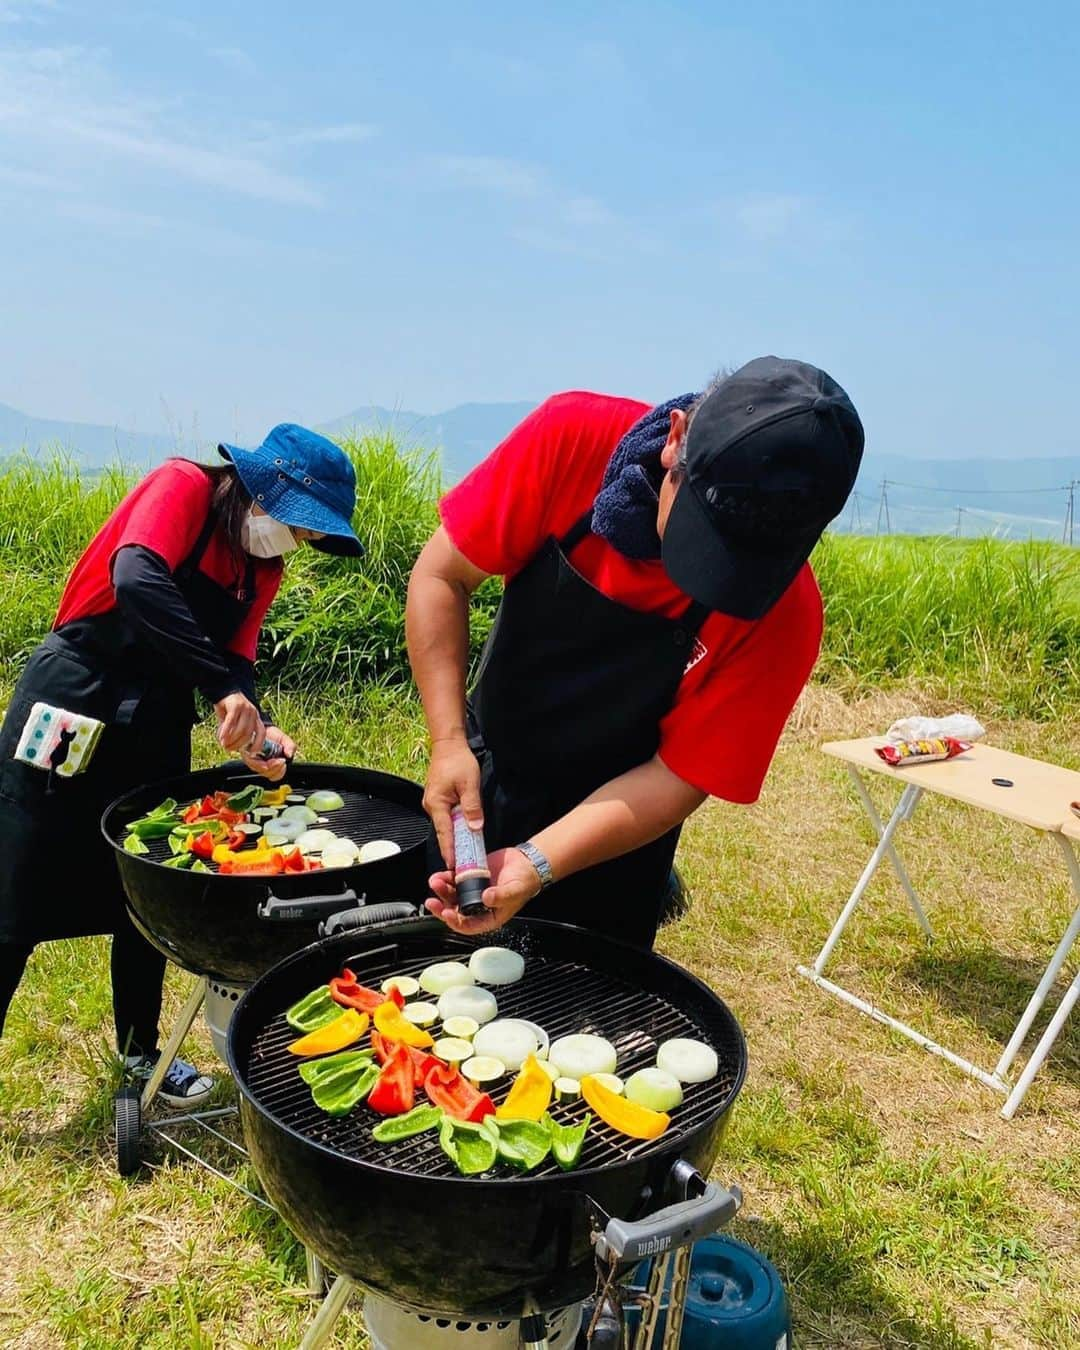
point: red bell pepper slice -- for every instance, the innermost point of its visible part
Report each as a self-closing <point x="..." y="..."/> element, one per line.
<point x="394" y="1091"/>
<point x="236" y="839"/>
<point x="228" y="816"/>
<point x="208" y="807"/>
<point x="421" y="1060"/>
<point x="202" y="845"/>
<point x="191" y="814"/>
<point x="264" y="868"/>
<point x="447" y="1087"/>
<point x="350" y="994"/>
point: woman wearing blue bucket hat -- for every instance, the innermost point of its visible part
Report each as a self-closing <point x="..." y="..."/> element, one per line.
<point x="168" y="599"/>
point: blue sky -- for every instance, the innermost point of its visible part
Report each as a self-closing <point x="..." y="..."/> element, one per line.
<point x="216" y="217"/>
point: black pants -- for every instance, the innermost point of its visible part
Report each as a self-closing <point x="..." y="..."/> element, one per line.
<point x="138" y="971"/>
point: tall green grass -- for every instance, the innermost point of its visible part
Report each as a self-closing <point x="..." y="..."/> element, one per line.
<point x="993" y="624"/>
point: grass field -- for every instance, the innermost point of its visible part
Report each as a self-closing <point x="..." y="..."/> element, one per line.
<point x="901" y="1210"/>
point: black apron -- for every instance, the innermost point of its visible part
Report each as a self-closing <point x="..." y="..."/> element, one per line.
<point x="58" y="876"/>
<point x="571" y="692"/>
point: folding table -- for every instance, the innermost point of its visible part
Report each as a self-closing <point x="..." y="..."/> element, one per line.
<point x="1029" y="791"/>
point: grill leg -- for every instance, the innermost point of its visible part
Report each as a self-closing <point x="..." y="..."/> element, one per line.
<point x="188" y="1014"/>
<point x="316" y="1274"/>
<point x="326" y="1318"/>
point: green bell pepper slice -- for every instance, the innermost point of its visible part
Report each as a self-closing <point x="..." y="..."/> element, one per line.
<point x="315" y="1069"/>
<point x="133" y="844"/>
<point x="337" y="1093"/>
<point x="246" y="799"/>
<point x="180" y="860"/>
<point x="567" y="1141"/>
<point x="153" y="827"/>
<point x="469" y="1147"/>
<point x="416" y="1121"/>
<point x="314" y="1010"/>
<point x="523" y="1144"/>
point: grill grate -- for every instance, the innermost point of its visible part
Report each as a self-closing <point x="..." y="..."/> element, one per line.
<point x="362" y="819"/>
<point x="561" y="996"/>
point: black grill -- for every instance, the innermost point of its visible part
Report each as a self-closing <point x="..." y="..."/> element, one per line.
<point x="562" y="997"/>
<point x="399" y="1218"/>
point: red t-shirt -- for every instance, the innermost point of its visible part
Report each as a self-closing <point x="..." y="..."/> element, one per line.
<point x="743" y="677"/>
<point x="166" y="513"/>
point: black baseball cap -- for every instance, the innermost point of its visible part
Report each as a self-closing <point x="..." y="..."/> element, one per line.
<point x="771" y="456"/>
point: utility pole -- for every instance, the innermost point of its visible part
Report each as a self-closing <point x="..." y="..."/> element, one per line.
<point x="1067" y="532"/>
<point x="959" y="520"/>
<point x="883" y="508"/>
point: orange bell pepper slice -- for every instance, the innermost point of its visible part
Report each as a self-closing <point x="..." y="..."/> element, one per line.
<point x="389" y="1022"/>
<point x="336" y="1035"/>
<point x="626" y="1117"/>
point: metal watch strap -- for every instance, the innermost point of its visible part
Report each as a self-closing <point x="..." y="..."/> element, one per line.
<point x="543" y="867"/>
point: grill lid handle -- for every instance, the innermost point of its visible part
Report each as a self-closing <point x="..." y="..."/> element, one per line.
<point x="277" y="908"/>
<point x="349" y="919"/>
<point x="676" y="1226"/>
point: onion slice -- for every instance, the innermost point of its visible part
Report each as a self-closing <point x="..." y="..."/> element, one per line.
<point x="496" y="965"/>
<point x="576" y="1056"/>
<point x="508" y="1039"/>
<point x="688" y="1061"/>
<point x="468" y="1001"/>
<point x="654" y="1088"/>
<point x="375" y="849"/>
<point x="325" y="799"/>
<point x="302" y="813"/>
<point x="443" y="975"/>
<point x="404" y="984"/>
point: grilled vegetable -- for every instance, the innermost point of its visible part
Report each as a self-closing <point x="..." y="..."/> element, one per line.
<point x="375" y="849"/>
<point x="202" y="845"/>
<point x="335" y="1035"/>
<point x="444" y="975"/>
<point x="468" y="1001"/>
<point x="446" y="1087"/>
<point x="566" y="1089"/>
<point x="337" y="1091"/>
<point x="530" y="1095"/>
<point x="610" y="1080"/>
<point x="276" y="796"/>
<point x="483" y="1068"/>
<point x="404" y="984"/>
<point x="246" y="799"/>
<point x="395" y="1090"/>
<point x="452" y="1050"/>
<point x="315" y="1069"/>
<point x="655" y="1089"/>
<point x="417" y="1121"/>
<point x="627" y="1117"/>
<point x="314" y="841"/>
<point x="154" y="827"/>
<point x="470" y="1148"/>
<point x="345" y="990"/>
<point x="496" y="965"/>
<point x="508" y="1039"/>
<point x="688" y="1061"/>
<point x="313" y="1011"/>
<point x="420" y="1014"/>
<point x="325" y="799"/>
<point x="180" y="860"/>
<point x="390" y="1022"/>
<point x="421" y="1061"/>
<point x="304" y="814"/>
<point x="567" y="1141"/>
<point x="460" y="1028"/>
<point x="577" y="1056"/>
<point x="524" y="1144"/>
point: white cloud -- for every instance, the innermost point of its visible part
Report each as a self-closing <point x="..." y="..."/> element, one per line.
<point x="587" y="211"/>
<point x="507" y="177"/>
<point x="234" y="59"/>
<point x="769" y="215"/>
<point x="334" y="135"/>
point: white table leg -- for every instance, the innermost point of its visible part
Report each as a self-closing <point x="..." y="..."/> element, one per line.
<point x="908" y="800"/>
<point x="893" y="856"/>
<point x="1053" y="970"/>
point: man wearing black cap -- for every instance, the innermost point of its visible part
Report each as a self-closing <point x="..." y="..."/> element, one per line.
<point x="659" y="621"/>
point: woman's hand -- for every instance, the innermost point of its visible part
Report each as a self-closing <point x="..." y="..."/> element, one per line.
<point x="453" y="778"/>
<point x="239" y="723"/>
<point x="514" y="882"/>
<point x="274" y="769"/>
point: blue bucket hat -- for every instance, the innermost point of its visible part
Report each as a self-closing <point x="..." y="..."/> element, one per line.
<point x="304" y="480"/>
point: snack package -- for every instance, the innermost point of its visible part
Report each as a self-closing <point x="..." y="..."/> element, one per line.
<point x="49" y="729"/>
<point x="921" y="752"/>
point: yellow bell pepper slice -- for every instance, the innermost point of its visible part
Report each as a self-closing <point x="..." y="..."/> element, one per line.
<point x="530" y="1095"/>
<point x="390" y="1023"/>
<point x="336" y="1035"/>
<point x="276" y="796"/>
<point x="626" y="1117"/>
<point x="261" y="851"/>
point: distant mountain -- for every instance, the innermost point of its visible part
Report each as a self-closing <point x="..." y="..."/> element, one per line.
<point x="1013" y="498"/>
<point x="464" y="434"/>
<point x="90" y="446"/>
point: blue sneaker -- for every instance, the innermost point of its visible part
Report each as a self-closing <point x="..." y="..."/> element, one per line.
<point x="183" y="1086"/>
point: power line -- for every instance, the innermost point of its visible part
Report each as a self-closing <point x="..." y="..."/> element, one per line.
<point x="981" y="492"/>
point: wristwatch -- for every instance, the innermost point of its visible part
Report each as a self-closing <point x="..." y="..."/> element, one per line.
<point x="543" y="867"/>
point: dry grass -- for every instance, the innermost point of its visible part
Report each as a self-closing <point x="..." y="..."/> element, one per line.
<point x="901" y="1209"/>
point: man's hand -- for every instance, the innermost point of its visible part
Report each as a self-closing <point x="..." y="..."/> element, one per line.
<point x="239" y="723"/>
<point x="514" y="882"/>
<point x="453" y="778"/>
<point x="274" y="769"/>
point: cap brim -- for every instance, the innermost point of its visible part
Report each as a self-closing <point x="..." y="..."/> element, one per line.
<point x="729" y="575"/>
<point x="340" y="545"/>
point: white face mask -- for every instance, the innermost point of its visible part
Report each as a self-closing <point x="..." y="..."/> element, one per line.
<point x="265" y="537"/>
